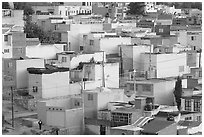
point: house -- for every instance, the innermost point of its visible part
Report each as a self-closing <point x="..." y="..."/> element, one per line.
<point x="49" y="82"/>
<point x="107" y="43"/>
<point x="14" y="44"/>
<point x="115" y="115"/>
<point x="10" y="16"/>
<point x="192" y="103"/>
<point x="66" y="9"/>
<point x="160" y="127"/>
<point x="98" y="99"/>
<point x="97" y="73"/>
<point x="131" y="55"/>
<point x="15" y="71"/>
<point x="63" y="113"/>
<point x="164" y="65"/>
<point x="156" y="91"/>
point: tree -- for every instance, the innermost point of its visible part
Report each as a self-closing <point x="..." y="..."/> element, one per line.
<point x="136" y="8"/>
<point x="178" y="92"/>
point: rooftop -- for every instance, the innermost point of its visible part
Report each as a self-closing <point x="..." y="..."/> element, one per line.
<point x="189" y="123"/>
<point x="154" y="126"/>
<point x="47" y="70"/>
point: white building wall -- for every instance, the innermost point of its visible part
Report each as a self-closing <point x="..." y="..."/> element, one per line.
<point x="168" y="65"/>
<point x="55" y="84"/>
<point x="110" y="45"/>
<point x="111" y="74"/>
<point x="21" y="70"/>
<point x="16" y="17"/>
<point x="77" y="29"/>
<point x="182" y="36"/>
<point x="41" y="51"/>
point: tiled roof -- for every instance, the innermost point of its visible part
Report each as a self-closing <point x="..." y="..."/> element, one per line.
<point x="156" y="125"/>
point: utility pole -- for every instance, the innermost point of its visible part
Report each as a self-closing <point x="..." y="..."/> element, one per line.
<point x="121" y="61"/>
<point x="12" y="109"/>
<point x="103" y="73"/>
<point x="150" y="61"/>
<point x="134" y="77"/>
<point x="200" y="58"/>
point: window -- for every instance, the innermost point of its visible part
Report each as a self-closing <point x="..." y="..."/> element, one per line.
<point x="77" y="103"/>
<point x="65" y="47"/>
<point x="55" y="27"/>
<point x="199" y="118"/>
<point x="6" y="50"/>
<point x="83" y="3"/>
<point x="197" y="105"/>
<point x="60" y="12"/>
<point x="188" y="105"/>
<point x="193" y="38"/>
<point x="5" y="38"/>
<point x="10" y="65"/>
<point x="188" y="118"/>
<point x="200" y="73"/>
<point x="181" y="68"/>
<point x="161" y="30"/>
<point x="64" y="59"/>
<point x="35" y="89"/>
<point x="91" y="42"/>
<point x="81" y="48"/>
<point x="146" y="87"/>
<point x="90" y="96"/>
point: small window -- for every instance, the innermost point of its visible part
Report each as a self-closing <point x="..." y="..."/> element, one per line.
<point x="91" y="42"/>
<point x="10" y="65"/>
<point x="81" y="48"/>
<point x="90" y="96"/>
<point x="65" y="47"/>
<point x="161" y="30"/>
<point x="181" y="68"/>
<point x="35" y="89"/>
<point x="199" y="118"/>
<point x="188" y="118"/>
<point x="193" y="38"/>
<point x="200" y="74"/>
<point x="64" y="59"/>
<point x="83" y="3"/>
<point x="6" y="50"/>
<point x="5" y="38"/>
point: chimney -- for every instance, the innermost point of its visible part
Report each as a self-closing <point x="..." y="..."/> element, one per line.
<point x="140" y="103"/>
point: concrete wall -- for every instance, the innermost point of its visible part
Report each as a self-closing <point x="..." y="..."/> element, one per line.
<point x="21" y="70"/>
<point x="90" y="106"/>
<point x="40" y="51"/>
<point x="55" y="118"/>
<point x="127" y="56"/>
<point x="55" y="84"/>
<point x="35" y="80"/>
<point x="163" y="92"/>
<point x="74" y="120"/>
<point x="41" y="110"/>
